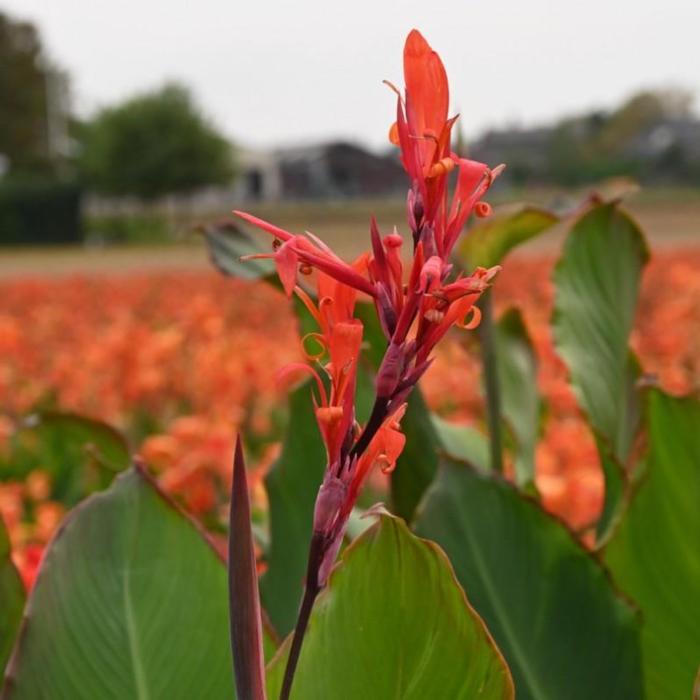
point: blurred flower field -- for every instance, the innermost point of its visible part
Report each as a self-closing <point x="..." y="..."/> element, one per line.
<point x="181" y="361"/>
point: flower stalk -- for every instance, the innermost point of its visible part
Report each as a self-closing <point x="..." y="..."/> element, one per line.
<point x="489" y="363"/>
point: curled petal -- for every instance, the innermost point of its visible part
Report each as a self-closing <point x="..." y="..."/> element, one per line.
<point x="384" y="449"/>
<point x="312" y="356"/>
<point x="483" y="209"/>
<point x="441" y="167"/>
<point x="473" y="322"/>
<point x="385" y="464"/>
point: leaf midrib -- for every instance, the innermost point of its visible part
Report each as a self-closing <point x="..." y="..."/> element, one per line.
<point x="503" y="618"/>
<point x="140" y="682"/>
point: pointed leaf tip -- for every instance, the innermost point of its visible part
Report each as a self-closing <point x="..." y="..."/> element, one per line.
<point x="244" y="601"/>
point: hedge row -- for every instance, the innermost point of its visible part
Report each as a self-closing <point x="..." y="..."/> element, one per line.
<point x="40" y="213"/>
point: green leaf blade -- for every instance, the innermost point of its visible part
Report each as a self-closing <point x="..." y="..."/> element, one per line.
<point x="548" y="603"/>
<point x="597" y="284"/>
<point x="655" y="553"/>
<point x="462" y="442"/>
<point x="490" y="240"/>
<point x="130" y="602"/>
<point x="80" y="454"/>
<point x="393" y="623"/>
<point x="227" y="242"/>
<point x="521" y="405"/>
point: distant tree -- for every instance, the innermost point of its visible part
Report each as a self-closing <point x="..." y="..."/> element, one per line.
<point x="24" y="90"/>
<point x="640" y="112"/>
<point x="154" y="144"/>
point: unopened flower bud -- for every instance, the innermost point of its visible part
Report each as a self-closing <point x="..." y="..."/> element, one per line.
<point x="418" y="207"/>
<point x="389" y="373"/>
<point x="385" y="311"/>
<point x="330" y="498"/>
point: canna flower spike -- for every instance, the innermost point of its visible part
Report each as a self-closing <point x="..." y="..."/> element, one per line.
<point x="416" y="307"/>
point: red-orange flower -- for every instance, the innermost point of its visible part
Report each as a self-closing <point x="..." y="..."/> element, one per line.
<point x="423" y="132"/>
<point x="413" y="316"/>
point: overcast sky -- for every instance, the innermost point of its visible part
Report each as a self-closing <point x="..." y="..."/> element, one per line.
<point x="279" y="72"/>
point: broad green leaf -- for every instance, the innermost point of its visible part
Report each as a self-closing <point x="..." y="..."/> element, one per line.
<point x="490" y="240"/>
<point x="416" y="467"/>
<point x="130" y="602"/>
<point x="521" y="406"/>
<point x="394" y="623"/>
<point x="81" y="454"/>
<point x="654" y="551"/>
<point x="292" y="485"/>
<point x="597" y="282"/>
<point x="549" y="603"/>
<point x="11" y="598"/>
<point x="228" y="242"/>
<point x="462" y="442"/>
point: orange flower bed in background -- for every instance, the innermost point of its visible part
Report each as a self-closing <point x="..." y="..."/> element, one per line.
<point x="666" y="339"/>
<point x="182" y="361"/>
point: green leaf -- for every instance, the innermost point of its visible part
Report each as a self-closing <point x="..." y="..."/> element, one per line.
<point x="81" y="454"/>
<point x="462" y="442"/>
<point x="521" y="406"/>
<point x="227" y="243"/>
<point x="394" y="623"/>
<point x="548" y="602"/>
<point x="597" y="283"/>
<point x="490" y="240"/>
<point x="11" y="598"/>
<point x="654" y="552"/>
<point x="292" y="485"/>
<point x="416" y="467"/>
<point x="130" y="602"/>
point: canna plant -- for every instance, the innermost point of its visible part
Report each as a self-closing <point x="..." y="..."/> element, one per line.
<point x="414" y="316"/>
<point x="470" y="589"/>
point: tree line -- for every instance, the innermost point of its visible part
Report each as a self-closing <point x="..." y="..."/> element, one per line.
<point x="156" y="143"/>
